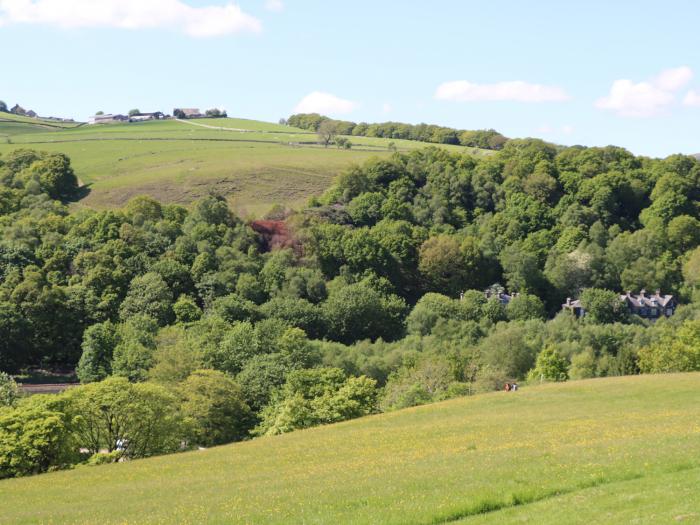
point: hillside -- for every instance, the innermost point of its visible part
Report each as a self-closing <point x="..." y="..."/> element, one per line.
<point x="255" y="164"/>
<point x="595" y="451"/>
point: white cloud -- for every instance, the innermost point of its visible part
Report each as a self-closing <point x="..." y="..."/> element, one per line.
<point x="674" y="79"/>
<point x="387" y="108"/>
<point x="692" y="98"/>
<point x="568" y="129"/>
<point x="206" y="21"/>
<point x="516" y="90"/>
<point x="276" y="6"/>
<point x="648" y="98"/>
<point x="324" y="103"/>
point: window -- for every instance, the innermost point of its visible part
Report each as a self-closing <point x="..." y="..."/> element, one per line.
<point x="654" y="312"/>
<point x="669" y="312"/>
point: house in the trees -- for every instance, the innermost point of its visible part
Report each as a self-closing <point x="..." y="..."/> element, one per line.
<point x="650" y="306"/>
<point x="496" y="291"/>
<point x="645" y="305"/>
<point x="574" y="306"/>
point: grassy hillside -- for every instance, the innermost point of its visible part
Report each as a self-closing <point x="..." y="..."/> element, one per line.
<point x="598" y="451"/>
<point x="257" y="164"/>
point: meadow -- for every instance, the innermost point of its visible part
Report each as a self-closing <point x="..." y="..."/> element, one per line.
<point x="255" y="164"/>
<point x="609" y="450"/>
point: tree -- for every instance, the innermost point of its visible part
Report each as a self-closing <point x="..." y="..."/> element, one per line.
<point x="99" y="113"/>
<point x="214" y="407"/>
<point x="133" y="355"/>
<point x="525" y="306"/>
<point x="676" y="351"/>
<point x="550" y="366"/>
<point x="9" y="391"/>
<point x="98" y="345"/>
<point x="359" y="311"/>
<point x="603" y="306"/>
<point x="55" y="176"/>
<point x="34" y="439"/>
<point x="140" y="420"/>
<point x="691" y="269"/>
<point x="3" y="106"/>
<point x="133" y="112"/>
<point x="440" y="265"/>
<point x="148" y="295"/>
<point x="297" y="312"/>
<point x="318" y="396"/>
<point x="431" y="308"/>
<point x="327" y="131"/>
<point x="186" y="310"/>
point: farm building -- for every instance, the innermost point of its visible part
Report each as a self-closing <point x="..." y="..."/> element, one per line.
<point x="108" y="119"/>
<point x="140" y="117"/>
<point x="31" y="114"/>
<point x="187" y="113"/>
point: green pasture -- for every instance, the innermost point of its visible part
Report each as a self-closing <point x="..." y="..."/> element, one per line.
<point x="256" y="164"/>
<point x="617" y="450"/>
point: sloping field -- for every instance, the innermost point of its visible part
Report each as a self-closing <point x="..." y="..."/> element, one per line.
<point x="256" y="164"/>
<point x="619" y="450"/>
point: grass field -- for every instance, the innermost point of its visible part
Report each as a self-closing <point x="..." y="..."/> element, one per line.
<point x="256" y="164"/>
<point x="618" y="450"/>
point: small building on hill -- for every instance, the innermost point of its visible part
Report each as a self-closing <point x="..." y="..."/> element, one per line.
<point x="18" y="110"/>
<point x="108" y="119"/>
<point x="32" y="114"/>
<point x="187" y="113"/>
<point x="140" y="117"/>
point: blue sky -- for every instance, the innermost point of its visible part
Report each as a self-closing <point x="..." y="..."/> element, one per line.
<point x="593" y="73"/>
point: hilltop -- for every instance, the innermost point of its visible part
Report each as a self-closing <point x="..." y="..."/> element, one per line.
<point x="255" y="164"/>
<point x="595" y="451"/>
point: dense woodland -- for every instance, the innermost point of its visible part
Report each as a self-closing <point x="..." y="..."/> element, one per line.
<point x="187" y="331"/>
<point x="485" y="138"/>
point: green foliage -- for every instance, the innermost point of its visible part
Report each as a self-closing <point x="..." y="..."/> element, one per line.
<point x="359" y="311"/>
<point x="676" y="351"/>
<point x="33" y="440"/>
<point x="550" y="366"/>
<point x="99" y="342"/>
<point x="139" y="419"/>
<point x="486" y="139"/>
<point x="9" y="391"/>
<point x="214" y="408"/>
<point x="430" y="379"/>
<point x="525" y="306"/>
<point x="133" y="355"/>
<point x="318" y="396"/>
<point x="186" y="310"/>
<point x="148" y="295"/>
<point x="603" y="306"/>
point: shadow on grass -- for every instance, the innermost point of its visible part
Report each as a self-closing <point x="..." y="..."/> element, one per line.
<point x="488" y="505"/>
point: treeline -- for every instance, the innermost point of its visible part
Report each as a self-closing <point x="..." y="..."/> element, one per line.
<point x="485" y="139"/>
<point x="380" y="306"/>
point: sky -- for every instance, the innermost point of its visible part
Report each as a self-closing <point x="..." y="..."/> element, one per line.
<point x="577" y="72"/>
